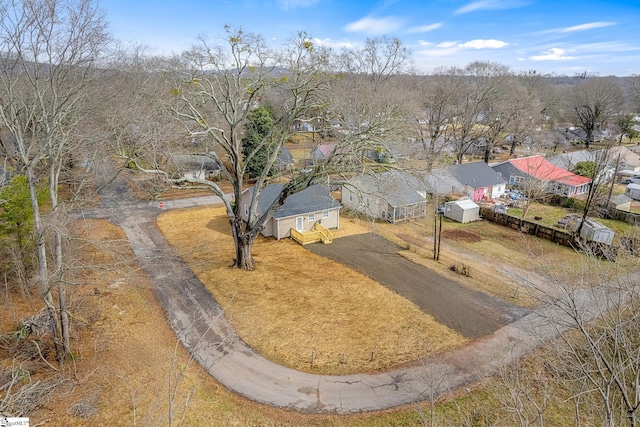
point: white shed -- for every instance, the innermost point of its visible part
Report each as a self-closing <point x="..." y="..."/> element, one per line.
<point x="463" y="210"/>
<point x="594" y="231"/>
<point x="633" y="191"/>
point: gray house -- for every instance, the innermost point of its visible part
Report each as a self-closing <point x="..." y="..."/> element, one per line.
<point x="196" y="166"/>
<point x="285" y="160"/>
<point x="476" y="180"/>
<point x="391" y="196"/>
<point x="300" y="211"/>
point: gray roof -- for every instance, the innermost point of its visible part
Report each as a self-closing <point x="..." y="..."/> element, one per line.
<point x="285" y="157"/>
<point x="397" y="188"/>
<point x="195" y="161"/>
<point x="620" y="199"/>
<point x="476" y="175"/>
<point x="569" y="160"/>
<point x="312" y="199"/>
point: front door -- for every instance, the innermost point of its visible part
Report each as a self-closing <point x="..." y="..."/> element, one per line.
<point x="299" y="223"/>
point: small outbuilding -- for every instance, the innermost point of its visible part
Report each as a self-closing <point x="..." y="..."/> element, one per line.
<point x="463" y="210"/>
<point x="633" y="191"/>
<point x="620" y="202"/>
<point x="596" y="232"/>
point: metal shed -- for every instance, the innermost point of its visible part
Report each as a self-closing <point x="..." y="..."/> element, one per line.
<point x="596" y="232"/>
<point x="633" y="191"/>
<point x="463" y="210"/>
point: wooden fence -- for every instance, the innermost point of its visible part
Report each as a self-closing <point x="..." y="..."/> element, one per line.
<point x="560" y="237"/>
<point x="556" y="236"/>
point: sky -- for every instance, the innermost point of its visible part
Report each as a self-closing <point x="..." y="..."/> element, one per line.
<point x="562" y="37"/>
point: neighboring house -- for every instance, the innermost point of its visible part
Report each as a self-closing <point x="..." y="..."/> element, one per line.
<point x="299" y="211"/>
<point x="391" y="196"/>
<point x="196" y="166"/>
<point x="569" y="160"/>
<point x="463" y="210"/>
<point x="537" y="168"/>
<point x="621" y="202"/>
<point x="627" y="161"/>
<point x="303" y="132"/>
<point x="322" y="152"/>
<point x="633" y="191"/>
<point x="285" y="160"/>
<point x="476" y="180"/>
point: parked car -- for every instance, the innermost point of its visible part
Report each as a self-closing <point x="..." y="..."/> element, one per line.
<point x="632" y="180"/>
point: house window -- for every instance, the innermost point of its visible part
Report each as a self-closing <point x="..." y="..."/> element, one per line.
<point x="325" y="214"/>
<point x="312" y="217"/>
<point x="516" y="180"/>
<point x="246" y="210"/>
<point x="351" y="197"/>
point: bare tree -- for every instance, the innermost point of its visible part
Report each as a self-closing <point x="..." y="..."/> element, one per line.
<point x="597" y="318"/>
<point x="48" y="51"/>
<point x="380" y="60"/>
<point x="215" y="88"/>
<point x="431" y="116"/>
<point x="593" y="103"/>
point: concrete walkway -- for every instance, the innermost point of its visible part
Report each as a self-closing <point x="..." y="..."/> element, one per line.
<point x="200" y="324"/>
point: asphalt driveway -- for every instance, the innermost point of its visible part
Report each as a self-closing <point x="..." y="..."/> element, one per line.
<point x="471" y="313"/>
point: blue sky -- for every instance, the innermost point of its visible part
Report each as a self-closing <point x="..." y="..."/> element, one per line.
<point x="561" y="37"/>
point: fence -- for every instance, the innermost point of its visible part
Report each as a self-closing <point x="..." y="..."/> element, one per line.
<point x="628" y="217"/>
<point x="560" y="237"/>
<point x="556" y="236"/>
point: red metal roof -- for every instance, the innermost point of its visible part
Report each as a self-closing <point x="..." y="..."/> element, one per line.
<point x="543" y="170"/>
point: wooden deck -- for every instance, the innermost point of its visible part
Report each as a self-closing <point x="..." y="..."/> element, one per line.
<point x="318" y="234"/>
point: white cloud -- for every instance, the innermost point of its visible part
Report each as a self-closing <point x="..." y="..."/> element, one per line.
<point x="425" y="28"/>
<point x="370" y="25"/>
<point x="424" y="43"/>
<point x="584" y="27"/>
<point x="581" y="27"/>
<point x="490" y="5"/>
<point x="452" y="48"/>
<point x="485" y="44"/>
<point x="333" y="44"/>
<point x="553" y="54"/>
<point x="447" y="45"/>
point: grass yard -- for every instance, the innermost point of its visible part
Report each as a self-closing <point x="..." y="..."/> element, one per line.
<point x="296" y="304"/>
<point x="128" y="360"/>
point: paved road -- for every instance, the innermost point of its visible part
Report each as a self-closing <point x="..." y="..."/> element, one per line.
<point x="200" y="324"/>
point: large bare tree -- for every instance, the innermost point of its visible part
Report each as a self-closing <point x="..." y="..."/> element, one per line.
<point x="48" y="50"/>
<point x="215" y="87"/>
<point x="594" y="102"/>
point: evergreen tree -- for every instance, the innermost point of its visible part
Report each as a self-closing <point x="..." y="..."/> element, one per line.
<point x="257" y="144"/>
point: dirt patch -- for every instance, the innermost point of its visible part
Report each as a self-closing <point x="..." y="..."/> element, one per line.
<point x="469" y="312"/>
<point x="461" y="236"/>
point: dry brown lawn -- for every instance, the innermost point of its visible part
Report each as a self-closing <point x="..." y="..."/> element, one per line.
<point x="297" y="306"/>
<point x="128" y="359"/>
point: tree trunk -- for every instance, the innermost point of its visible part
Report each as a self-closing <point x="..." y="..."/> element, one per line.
<point x="54" y="173"/>
<point x="43" y="273"/>
<point x="243" y="241"/>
